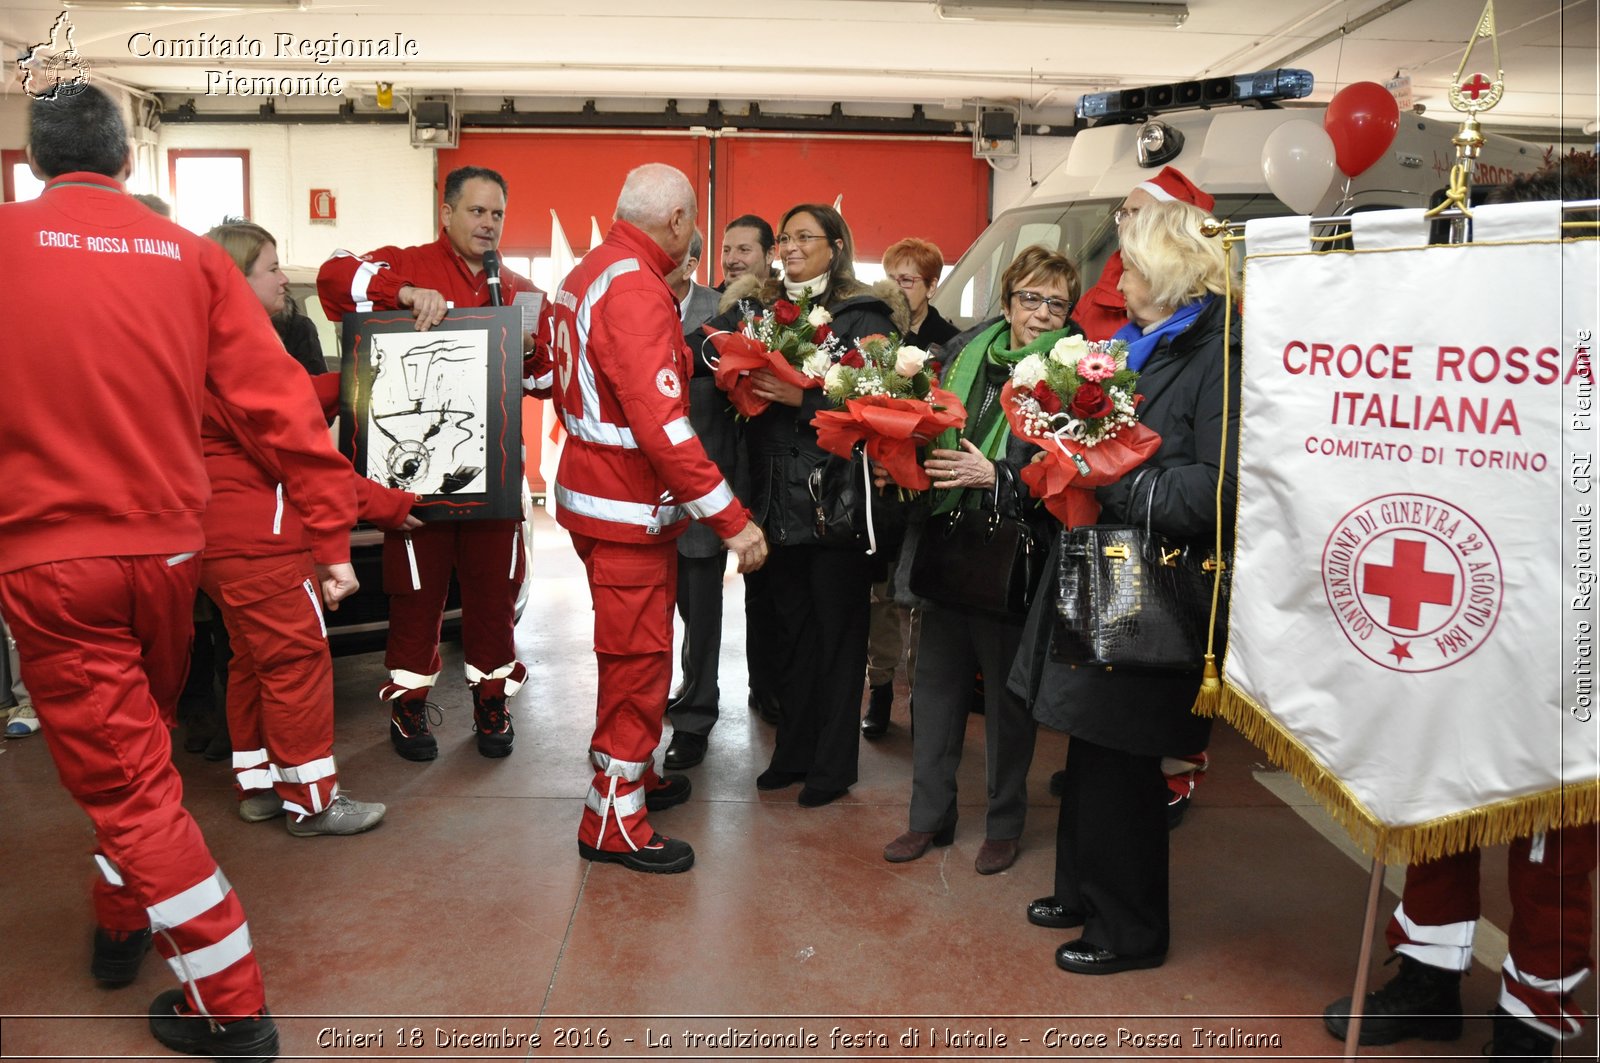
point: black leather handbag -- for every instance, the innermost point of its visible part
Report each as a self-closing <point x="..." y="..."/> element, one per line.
<point x="979" y="560"/>
<point x="847" y="510"/>
<point x="1128" y="597"/>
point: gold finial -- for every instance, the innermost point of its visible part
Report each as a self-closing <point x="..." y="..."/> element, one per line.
<point x="1472" y="95"/>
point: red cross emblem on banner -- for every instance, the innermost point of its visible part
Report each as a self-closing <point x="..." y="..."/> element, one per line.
<point x="1476" y="86"/>
<point x="1408" y="584"/>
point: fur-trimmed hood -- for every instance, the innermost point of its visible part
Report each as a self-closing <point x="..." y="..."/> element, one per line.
<point x="768" y="290"/>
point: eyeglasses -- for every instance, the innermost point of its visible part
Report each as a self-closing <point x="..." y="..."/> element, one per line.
<point x="907" y="280"/>
<point x="1122" y="214"/>
<point x="799" y="238"/>
<point x="1031" y="301"/>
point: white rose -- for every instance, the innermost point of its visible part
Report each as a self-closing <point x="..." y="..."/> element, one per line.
<point x="818" y="317"/>
<point x="1067" y="351"/>
<point x="1028" y="372"/>
<point x="816" y="364"/>
<point x="908" y="360"/>
<point x="830" y="380"/>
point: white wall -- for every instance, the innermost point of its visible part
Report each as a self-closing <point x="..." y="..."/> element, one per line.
<point x="1014" y="179"/>
<point x="383" y="186"/>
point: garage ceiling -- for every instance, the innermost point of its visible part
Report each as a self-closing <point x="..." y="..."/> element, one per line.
<point x="806" y="54"/>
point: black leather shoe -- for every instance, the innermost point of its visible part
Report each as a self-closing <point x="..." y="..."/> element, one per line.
<point x="685" y="750"/>
<point x="253" y="1040"/>
<point x="773" y="779"/>
<point x="674" y="790"/>
<point x="766" y="706"/>
<point x="1080" y="957"/>
<point x="659" y="856"/>
<point x="1047" y="911"/>
<point x="875" y="724"/>
<point x="1058" y="783"/>
<point x="118" y="956"/>
<point x="811" y="797"/>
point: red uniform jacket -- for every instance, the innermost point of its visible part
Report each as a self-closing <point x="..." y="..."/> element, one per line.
<point x="118" y="324"/>
<point x="632" y="467"/>
<point x="249" y="515"/>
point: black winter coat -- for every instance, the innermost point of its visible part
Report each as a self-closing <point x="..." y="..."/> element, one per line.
<point x="781" y="442"/>
<point x="1148" y="713"/>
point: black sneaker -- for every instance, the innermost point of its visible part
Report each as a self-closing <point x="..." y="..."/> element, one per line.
<point x="674" y="790"/>
<point x="661" y="856"/>
<point x="253" y="1040"/>
<point x="118" y="955"/>
<point x="491" y="722"/>
<point x="409" y="731"/>
<point x="1513" y="1037"/>
<point x="1420" y="1001"/>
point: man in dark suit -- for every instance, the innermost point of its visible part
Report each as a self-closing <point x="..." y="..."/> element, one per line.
<point x="702" y="558"/>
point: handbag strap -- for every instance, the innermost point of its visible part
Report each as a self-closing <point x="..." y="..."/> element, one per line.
<point x="866" y="492"/>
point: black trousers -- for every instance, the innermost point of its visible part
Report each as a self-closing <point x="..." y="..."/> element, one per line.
<point x="693" y="708"/>
<point x="820" y="600"/>
<point x="1111" y="847"/>
<point x="765" y="655"/>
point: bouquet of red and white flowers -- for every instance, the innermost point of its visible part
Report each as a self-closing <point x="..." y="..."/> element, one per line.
<point x="884" y="392"/>
<point x="793" y="340"/>
<point x="1078" y="404"/>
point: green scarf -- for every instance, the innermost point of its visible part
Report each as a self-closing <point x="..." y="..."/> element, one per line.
<point x="967" y="380"/>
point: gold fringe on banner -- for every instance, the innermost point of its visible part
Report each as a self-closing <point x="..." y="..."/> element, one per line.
<point x="1571" y="805"/>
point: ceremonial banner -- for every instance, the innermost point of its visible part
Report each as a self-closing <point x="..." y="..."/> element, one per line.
<point x="1412" y="627"/>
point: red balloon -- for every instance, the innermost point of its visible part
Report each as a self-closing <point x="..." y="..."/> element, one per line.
<point x="1362" y="119"/>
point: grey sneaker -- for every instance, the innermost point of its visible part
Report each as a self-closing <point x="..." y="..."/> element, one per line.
<point x="344" y="816"/>
<point x="260" y="807"/>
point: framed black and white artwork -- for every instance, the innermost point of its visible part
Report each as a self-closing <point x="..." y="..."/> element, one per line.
<point x="438" y="413"/>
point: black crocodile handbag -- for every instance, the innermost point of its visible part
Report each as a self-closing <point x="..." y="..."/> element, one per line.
<point x="1128" y="597"/>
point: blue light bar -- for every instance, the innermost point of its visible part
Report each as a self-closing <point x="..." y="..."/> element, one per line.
<point x="1264" y="85"/>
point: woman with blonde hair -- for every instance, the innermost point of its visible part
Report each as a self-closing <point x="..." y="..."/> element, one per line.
<point x="1111" y="839"/>
<point x="259" y="566"/>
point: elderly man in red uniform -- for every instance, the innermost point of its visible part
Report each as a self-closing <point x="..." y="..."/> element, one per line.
<point x="101" y="531"/>
<point x="632" y="474"/>
<point x="486" y="555"/>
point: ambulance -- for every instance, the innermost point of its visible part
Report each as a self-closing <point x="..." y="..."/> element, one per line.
<point x="1214" y="131"/>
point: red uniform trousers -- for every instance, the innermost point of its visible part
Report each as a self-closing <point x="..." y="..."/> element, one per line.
<point x="1552" y="918"/>
<point x="488" y="562"/>
<point x="633" y="586"/>
<point x="280" y="680"/>
<point x="104" y="647"/>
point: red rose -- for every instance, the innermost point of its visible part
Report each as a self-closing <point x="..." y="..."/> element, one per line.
<point x="1046" y="397"/>
<point x="820" y="336"/>
<point x="853" y="359"/>
<point x="785" y="312"/>
<point x="1091" y="401"/>
<point x="934" y="368"/>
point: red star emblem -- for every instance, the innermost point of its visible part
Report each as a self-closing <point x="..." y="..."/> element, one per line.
<point x="1401" y="651"/>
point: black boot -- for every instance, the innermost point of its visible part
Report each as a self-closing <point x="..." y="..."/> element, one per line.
<point x="1420" y="1001"/>
<point x="876" y="722"/>
<point x="1513" y="1037"/>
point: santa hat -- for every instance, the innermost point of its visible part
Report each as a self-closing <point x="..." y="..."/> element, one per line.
<point x="1170" y="185"/>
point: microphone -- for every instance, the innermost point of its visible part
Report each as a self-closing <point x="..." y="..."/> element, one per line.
<point x="491" y="266"/>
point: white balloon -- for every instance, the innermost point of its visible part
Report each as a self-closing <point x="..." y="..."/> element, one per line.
<point x="1298" y="162"/>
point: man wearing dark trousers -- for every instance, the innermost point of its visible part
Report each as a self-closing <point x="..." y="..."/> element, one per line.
<point x="702" y="559"/>
<point x="485" y="555"/>
<point x="105" y="433"/>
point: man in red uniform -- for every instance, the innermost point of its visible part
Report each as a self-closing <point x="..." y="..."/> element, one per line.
<point x="100" y="534"/>
<point x="485" y="555"/>
<point x="632" y="474"/>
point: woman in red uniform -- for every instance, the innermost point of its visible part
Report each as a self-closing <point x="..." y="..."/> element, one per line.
<point x="258" y="567"/>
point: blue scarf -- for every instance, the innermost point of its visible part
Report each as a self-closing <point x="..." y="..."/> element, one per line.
<point x="1141" y="345"/>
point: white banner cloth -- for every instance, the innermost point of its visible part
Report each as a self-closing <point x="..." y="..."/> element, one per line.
<point x="1412" y="613"/>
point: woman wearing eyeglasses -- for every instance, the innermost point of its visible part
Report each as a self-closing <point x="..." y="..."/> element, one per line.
<point x="1111" y="874"/>
<point x="978" y="470"/>
<point x="819" y="594"/>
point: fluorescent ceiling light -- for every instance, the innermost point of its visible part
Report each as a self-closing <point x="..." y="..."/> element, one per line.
<point x="189" y="5"/>
<point x="1083" y="12"/>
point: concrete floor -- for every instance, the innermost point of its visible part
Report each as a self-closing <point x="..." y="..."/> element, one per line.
<point x="468" y="916"/>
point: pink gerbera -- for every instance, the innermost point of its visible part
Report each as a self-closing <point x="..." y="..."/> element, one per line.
<point x="1096" y="367"/>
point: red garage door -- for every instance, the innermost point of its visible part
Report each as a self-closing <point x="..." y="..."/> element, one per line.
<point x="892" y="187"/>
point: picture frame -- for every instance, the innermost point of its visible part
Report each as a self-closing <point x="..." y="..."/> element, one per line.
<point x="438" y="413"/>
